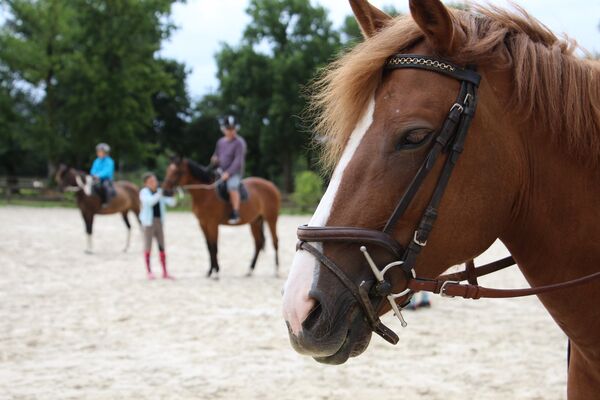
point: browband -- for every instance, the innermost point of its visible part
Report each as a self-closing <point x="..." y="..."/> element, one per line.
<point x="433" y="64"/>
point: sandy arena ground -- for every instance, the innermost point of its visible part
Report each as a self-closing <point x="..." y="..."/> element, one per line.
<point x="77" y="326"/>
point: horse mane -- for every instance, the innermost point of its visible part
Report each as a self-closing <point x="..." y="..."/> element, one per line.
<point x="199" y="171"/>
<point x="553" y="88"/>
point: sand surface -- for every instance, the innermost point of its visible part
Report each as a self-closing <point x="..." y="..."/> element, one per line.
<point x="77" y="326"/>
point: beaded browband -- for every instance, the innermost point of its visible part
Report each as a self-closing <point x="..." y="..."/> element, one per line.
<point x="432" y="64"/>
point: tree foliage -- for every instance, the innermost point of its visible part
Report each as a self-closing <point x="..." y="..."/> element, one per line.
<point x="91" y="65"/>
<point x="262" y="80"/>
<point x="74" y="73"/>
<point x="308" y="191"/>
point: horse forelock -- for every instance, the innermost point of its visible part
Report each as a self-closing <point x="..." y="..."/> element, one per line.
<point x="554" y="89"/>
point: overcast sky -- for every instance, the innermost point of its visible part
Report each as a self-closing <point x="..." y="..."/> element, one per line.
<point x="205" y="24"/>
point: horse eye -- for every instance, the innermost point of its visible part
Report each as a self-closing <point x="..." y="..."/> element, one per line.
<point x="413" y="139"/>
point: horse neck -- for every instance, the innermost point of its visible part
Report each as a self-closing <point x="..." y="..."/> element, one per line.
<point x="555" y="232"/>
<point x="199" y="196"/>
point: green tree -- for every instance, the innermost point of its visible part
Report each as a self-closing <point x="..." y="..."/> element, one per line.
<point x="262" y="79"/>
<point x="172" y="114"/>
<point x="203" y="132"/>
<point x="309" y="189"/>
<point x="16" y="143"/>
<point x="246" y="89"/>
<point x="114" y="75"/>
<point x="92" y="66"/>
<point x="34" y="43"/>
<point x="350" y="31"/>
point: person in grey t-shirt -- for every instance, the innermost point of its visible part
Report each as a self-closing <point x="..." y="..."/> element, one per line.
<point x="230" y="155"/>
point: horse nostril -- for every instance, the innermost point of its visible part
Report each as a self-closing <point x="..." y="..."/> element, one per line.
<point x="313" y="317"/>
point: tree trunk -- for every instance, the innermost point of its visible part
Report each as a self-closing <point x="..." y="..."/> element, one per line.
<point x="51" y="171"/>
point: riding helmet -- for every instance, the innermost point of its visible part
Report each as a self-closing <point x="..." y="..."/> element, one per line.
<point x="103" y="147"/>
<point x="228" y="121"/>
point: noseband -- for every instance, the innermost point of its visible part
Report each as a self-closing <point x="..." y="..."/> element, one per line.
<point x="450" y="142"/>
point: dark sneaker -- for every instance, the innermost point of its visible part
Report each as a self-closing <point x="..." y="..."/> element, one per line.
<point x="234" y="218"/>
<point x="424" y="304"/>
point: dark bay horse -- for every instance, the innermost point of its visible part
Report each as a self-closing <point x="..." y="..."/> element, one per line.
<point x="126" y="199"/>
<point x="528" y="137"/>
<point x="211" y="211"/>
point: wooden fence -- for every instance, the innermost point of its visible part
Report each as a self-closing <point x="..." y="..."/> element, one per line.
<point x="28" y="189"/>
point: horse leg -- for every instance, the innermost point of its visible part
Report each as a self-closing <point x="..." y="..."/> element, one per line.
<point x="257" y="228"/>
<point x="272" y="222"/>
<point x="211" y="233"/>
<point x="88" y="218"/>
<point x="583" y="376"/>
<point x="128" y="225"/>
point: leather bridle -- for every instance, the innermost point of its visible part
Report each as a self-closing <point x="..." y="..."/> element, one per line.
<point x="174" y="181"/>
<point x="450" y="142"/>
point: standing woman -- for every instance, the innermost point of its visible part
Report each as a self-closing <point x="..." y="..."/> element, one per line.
<point x="152" y="216"/>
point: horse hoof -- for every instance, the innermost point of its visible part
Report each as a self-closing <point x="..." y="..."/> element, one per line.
<point x="248" y="274"/>
<point x="215" y="277"/>
<point x="88" y="252"/>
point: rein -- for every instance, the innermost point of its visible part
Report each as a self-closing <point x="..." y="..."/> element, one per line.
<point x="450" y="142"/>
<point x="200" y="186"/>
<point x="174" y="182"/>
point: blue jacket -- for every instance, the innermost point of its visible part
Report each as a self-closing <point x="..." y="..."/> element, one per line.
<point x="103" y="168"/>
<point x="148" y="200"/>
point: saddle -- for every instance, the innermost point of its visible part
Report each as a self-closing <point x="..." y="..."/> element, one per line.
<point x="105" y="190"/>
<point x="224" y="194"/>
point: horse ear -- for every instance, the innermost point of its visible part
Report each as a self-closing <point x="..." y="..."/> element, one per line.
<point x="370" y="19"/>
<point x="439" y="27"/>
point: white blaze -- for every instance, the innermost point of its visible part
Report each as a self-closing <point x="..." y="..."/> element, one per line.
<point x="296" y="303"/>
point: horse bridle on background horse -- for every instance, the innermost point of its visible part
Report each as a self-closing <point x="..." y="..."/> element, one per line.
<point x="450" y="140"/>
<point x="174" y="182"/>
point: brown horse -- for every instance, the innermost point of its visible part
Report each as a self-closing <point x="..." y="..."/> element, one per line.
<point x="528" y="173"/>
<point x="262" y="205"/>
<point x="126" y="199"/>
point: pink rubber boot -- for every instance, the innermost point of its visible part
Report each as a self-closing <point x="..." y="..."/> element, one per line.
<point x="163" y="262"/>
<point x="148" y="269"/>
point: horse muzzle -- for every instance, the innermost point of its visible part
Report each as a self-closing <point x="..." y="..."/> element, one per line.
<point x="332" y="332"/>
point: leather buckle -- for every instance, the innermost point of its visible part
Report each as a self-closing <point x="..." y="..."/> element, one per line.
<point x="458" y="107"/>
<point x="443" y="288"/>
<point x="421" y="243"/>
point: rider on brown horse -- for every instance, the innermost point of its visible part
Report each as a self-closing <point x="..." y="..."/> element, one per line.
<point x="229" y="157"/>
<point x="103" y="169"/>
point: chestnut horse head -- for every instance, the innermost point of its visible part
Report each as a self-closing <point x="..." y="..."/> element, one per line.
<point x="183" y="171"/>
<point x="536" y="104"/>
